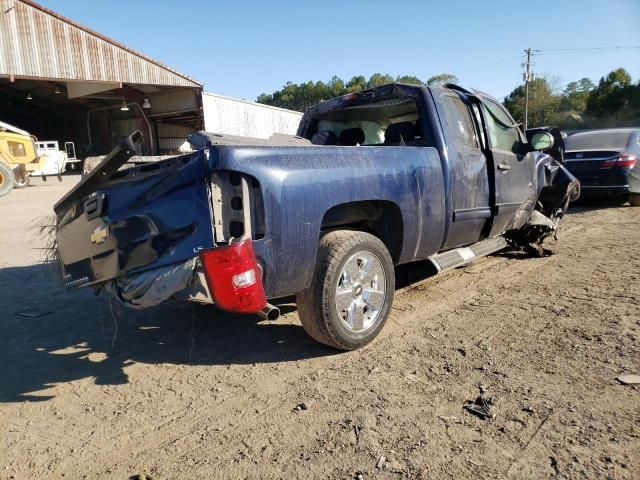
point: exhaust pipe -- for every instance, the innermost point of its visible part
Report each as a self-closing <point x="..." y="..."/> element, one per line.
<point x="269" y="312"/>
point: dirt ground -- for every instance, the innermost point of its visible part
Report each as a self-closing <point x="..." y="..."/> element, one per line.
<point x="88" y="390"/>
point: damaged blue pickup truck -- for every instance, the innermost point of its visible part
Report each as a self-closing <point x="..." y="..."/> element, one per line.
<point x="374" y="179"/>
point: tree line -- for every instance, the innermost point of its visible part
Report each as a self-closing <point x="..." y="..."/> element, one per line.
<point x="613" y="102"/>
<point x="299" y="96"/>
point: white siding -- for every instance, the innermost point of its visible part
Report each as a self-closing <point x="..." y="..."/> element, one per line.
<point x="171" y="137"/>
<point x="239" y="117"/>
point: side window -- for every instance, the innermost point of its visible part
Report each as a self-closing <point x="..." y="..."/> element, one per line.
<point x="460" y="122"/>
<point x="502" y="136"/>
<point x="16" y="149"/>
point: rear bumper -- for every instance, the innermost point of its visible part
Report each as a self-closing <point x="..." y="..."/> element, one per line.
<point x="217" y="276"/>
<point x="197" y="290"/>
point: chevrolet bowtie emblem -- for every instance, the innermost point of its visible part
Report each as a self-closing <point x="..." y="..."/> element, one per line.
<point x="99" y="235"/>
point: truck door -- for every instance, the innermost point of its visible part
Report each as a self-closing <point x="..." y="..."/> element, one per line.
<point x="470" y="188"/>
<point x="514" y="173"/>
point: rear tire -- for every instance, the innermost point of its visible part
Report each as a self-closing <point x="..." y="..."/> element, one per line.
<point x="7" y="179"/>
<point x="350" y="297"/>
<point x="634" y="199"/>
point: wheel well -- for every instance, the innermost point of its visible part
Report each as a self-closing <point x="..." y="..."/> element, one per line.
<point x="378" y="217"/>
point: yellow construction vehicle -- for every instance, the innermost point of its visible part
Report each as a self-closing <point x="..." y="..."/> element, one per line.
<point x="23" y="157"/>
<point x="17" y="150"/>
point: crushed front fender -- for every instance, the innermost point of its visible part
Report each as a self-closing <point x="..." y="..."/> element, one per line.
<point x="557" y="187"/>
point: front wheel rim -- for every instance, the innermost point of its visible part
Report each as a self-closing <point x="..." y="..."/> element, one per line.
<point x="361" y="292"/>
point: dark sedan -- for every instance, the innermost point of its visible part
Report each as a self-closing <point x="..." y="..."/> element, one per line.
<point x="606" y="162"/>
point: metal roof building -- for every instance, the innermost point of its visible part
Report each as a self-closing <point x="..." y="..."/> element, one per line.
<point x="39" y="43"/>
<point x="60" y="80"/>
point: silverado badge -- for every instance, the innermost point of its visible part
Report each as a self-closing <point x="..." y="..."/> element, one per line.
<point x="100" y="234"/>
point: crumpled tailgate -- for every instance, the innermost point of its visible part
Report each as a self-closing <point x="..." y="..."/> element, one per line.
<point x="141" y="218"/>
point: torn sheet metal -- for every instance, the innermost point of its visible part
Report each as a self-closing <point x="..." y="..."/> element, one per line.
<point x="152" y="287"/>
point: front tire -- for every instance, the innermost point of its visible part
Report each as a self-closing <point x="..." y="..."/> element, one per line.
<point x="7" y="179"/>
<point x="634" y="199"/>
<point x="350" y="297"/>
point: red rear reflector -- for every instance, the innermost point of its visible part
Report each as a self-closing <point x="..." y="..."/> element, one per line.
<point x="233" y="277"/>
<point x="623" y="160"/>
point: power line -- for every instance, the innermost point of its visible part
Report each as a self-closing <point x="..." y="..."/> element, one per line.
<point x="562" y="51"/>
<point x="584" y="49"/>
<point x="546" y="51"/>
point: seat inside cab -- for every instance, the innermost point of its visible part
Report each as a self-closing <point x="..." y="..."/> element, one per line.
<point x="390" y="122"/>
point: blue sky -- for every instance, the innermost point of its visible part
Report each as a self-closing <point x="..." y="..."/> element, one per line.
<point x="243" y="48"/>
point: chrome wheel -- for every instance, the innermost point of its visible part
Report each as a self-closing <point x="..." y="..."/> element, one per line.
<point x="361" y="292"/>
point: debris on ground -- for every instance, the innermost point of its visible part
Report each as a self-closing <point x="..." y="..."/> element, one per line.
<point x="381" y="462"/>
<point x="299" y="407"/>
<point x="480" y="407"/>
<point x="141" y="476"/>
<point x="629" y="379"/>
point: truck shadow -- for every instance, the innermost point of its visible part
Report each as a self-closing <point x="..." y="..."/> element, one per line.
<point x="50" y="335"/>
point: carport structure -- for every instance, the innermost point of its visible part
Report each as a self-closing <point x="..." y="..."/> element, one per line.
<point x="62" y="81"/>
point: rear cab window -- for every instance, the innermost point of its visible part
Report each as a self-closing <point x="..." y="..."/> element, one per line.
<point x="385" y="122"/>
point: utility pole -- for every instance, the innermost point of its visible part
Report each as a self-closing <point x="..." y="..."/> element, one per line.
<point x="528" y="76"/>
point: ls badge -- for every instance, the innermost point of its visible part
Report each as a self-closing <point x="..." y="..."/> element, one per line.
<point x="100" y="235"/>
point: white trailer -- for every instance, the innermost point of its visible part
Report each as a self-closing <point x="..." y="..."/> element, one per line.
<point x="234" y="116"/>
<point x="52" y="160"/>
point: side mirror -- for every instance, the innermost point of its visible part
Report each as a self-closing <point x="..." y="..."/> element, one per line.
<point x="541" y="141"/>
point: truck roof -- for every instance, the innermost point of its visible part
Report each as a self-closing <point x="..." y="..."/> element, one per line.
<point x="365" y="96"/>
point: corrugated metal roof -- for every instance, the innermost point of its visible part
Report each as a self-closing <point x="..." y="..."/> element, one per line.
<point x="38" y="43"/>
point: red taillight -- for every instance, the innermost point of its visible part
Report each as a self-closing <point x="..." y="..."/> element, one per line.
<point x="233" y="277"/>
<point x="623" y="160"/>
